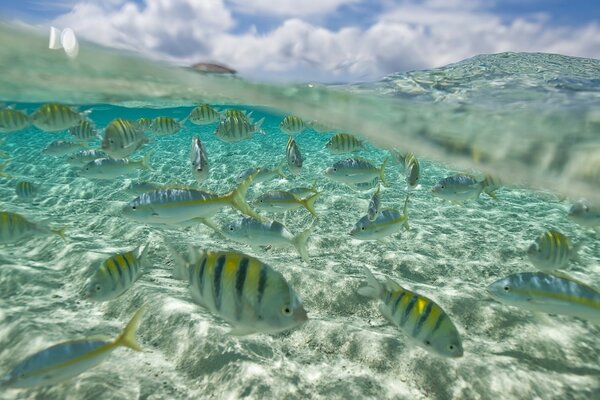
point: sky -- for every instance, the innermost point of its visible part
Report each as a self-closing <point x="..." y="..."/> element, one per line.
<point x="322" y="40"/>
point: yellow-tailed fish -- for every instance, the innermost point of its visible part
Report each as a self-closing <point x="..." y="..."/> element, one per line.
<point x="262" y="174"/>
<point x="66" y="360"/>
<point x="15" y="227"/>
<point x="203" y="115"/>
<point x="388" y="222"/>
<point x="109" y="168"/>
<point x="280" y="200"/>
<point x="55" y="117"/>
<point x="162" y="126"/>
<point x="233" y="129"/>
<point x="293" y="156"/>
<point x="245" y="292"/>
<point x="356" y="170"/>
<point x="292" y="125"/>
<point x="412" y="170"/>
<point x="116" y="274"/>
<point x="199" y="159"/>
<point x="267" y="233"/>
<point x="12" y="120"/>
<point x="548" y="293"/>
<point x="122" y="138"/>
<point x="585" y="214"/>
<point x="419" y="317"/>
<point x="343" y="143"/>
<point x="26" y="190"/>
<point x="552" y="250"/>
<point x="374" y="208"/>
<point x="175" y="206"/>
<point x="82" y="157"/>
<point x="84" y="131"/>
<point x="62" y="147"/>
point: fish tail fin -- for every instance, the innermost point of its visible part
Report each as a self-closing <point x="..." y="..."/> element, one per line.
<point x="309" y="204"/>
<point x="382" y="172"/>
<point x="238" y="198"/>
<point x="143" y="254"/>
<point x="313" y="187"/>
<point x="60" y="232"/>
<point x="127" y="337"/>
<point x="489" y="187"/>
<point x="210" y="223"/>
<point x="181" y="263"/>
<point x="300" y="240"/>
<point x="373" y="288"/>
<point x="54" y="41"/>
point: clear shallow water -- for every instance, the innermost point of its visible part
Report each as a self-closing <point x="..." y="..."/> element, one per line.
<point x="346" y="350"/>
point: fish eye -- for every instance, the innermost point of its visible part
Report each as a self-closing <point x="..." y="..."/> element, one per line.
<point x="111" y="141"/>
<point x="231" y="228"/>
<point x="133" y="207"/>
<point x="506" y="288"/>
<point x="427" y="342"/>
<point x="335" y="170"/>
<point x="98" y="288"/>
<point x="362" y="228"/>
<point x="451" y="347"/>
<point x="286" y="310"/>
<point x="442" y="186"/>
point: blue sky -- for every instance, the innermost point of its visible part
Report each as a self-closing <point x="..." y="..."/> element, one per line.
<point x="323" y="40"/>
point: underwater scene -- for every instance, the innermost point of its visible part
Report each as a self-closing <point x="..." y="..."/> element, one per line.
<point x="205" y="237"/>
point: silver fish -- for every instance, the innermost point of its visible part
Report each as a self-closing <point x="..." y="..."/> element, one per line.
<point x="199" y="160"/>
<point x="83" y="157"/>
<point x="355" y="170"/>
<point x="122" y="138"/>
<point x="109" y="168"/>
<point x="374" y="205"/>
<point x="293" y="156"/>
<point x="62" y="147"/>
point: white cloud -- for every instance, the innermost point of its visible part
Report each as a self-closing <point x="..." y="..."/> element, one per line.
<point x="411" y="35"/>
<point x="290" y="7"/>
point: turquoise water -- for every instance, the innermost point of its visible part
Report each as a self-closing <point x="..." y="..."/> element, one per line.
<point x="346" y="349"/>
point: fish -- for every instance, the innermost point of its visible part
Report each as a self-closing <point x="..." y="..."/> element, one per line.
<point x="68" y="359"/>
<point x="343" y="143"/>
<point x="203" y="115"/>
<point x="143" y="124"/>
<point x="585" y="214"/>
<point x="552" y="250"/>
<point x="267" y="233"/>
<point x="163" y="126"/>
<point x="142" y="187"/>
<point x="374" y="208"/>
<point x="84" y="131"/>
<point x="412" y="170"/>
<point x="458" y="188"/>
<point x="292" y="125"/>
<point x="14" y="227"/>
<point x="419" y="317"/>
<point x="388" y="222"/>
<point x="262" y="173"/>
<point x="356" y="170"/>
<point x="398" y="157"/>
<point x="54" y="117"/>
<point x="26" y="190"/>
<point x="280" y="200"/>
<point x="293" y="156"/>
<point x="116" y="274"/>
<point x="122" y="138"/>
<point x="199" y="160"/>
<point x="175" y="206"/>
<point x="62" y="147"/>
<point x="234" y="129"/>
<point x="246" y="293"/>
<point x="548" y="293"/>
<point x="12" y="120"/>
<point x="363" y="186"/>
<point x="82" y="157"/>
<point x="109" y="168"/>
<point x="304" y="191"/>
<point x="235" y="113"/>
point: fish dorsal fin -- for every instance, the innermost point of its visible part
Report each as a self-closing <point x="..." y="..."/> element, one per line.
<point x="391" y="285"/>
<point x="563" y="275"/>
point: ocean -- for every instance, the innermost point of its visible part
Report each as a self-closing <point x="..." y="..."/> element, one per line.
<point x="533" y="120"/>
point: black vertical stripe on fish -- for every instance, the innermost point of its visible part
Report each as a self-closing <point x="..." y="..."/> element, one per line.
<point x="218" y="276"/>
<point x="437" y="325"/>
<point x="422" y="319"/>
<point x="395" y="308"/>
<point x="388" y="297"/>
<point x="262" y="284"/>
<point x="112" y="277"/>
<point x="129" y="268"/>
<point x="201" y="275"/>
<point x="409" y="307"/>
<point x="240" y="280"/>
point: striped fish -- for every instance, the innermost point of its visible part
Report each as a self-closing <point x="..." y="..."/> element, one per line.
<point x="109" y="168"/>
<point x="235" y="113"/>
<point x="552" y="250"/>
<point x="12" y="120"/>
<point x="280" y="200"/>
<point x="419" y="317"/>
<point x="267" y="233"/>
<point x="458" y="188"/>
<point x="163" y="126"/>
<point x="199" y="160"/>
<point x="245" y="292"/>
<point x="374" y="208"/>
<point x="122" y="138"/>
<point x="343" y="143"/>
<point x="388" y="222"/>
<point x="83" y="157"/>
<point x="62" y="147"/>
<point x="548" y="293"/>
<point x="66" y="360"/>
<point x="235" y="129"/>
<point x="84" y="131"/>
<point x="292" y="125"/>
<point x="412" y="170"/>
<point x="116" y="275"/>
<point x="356" y="170"/>
<point x="26" y="190"/>
<point x="55" y="117"/>
<point x="175" y="206"/>
<point x="203" y="115"/>
<point x="15" y="227"/>
<point x="585" y="214"/>
<point x="293" y="156"/>
<point x="143" y="124"/>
